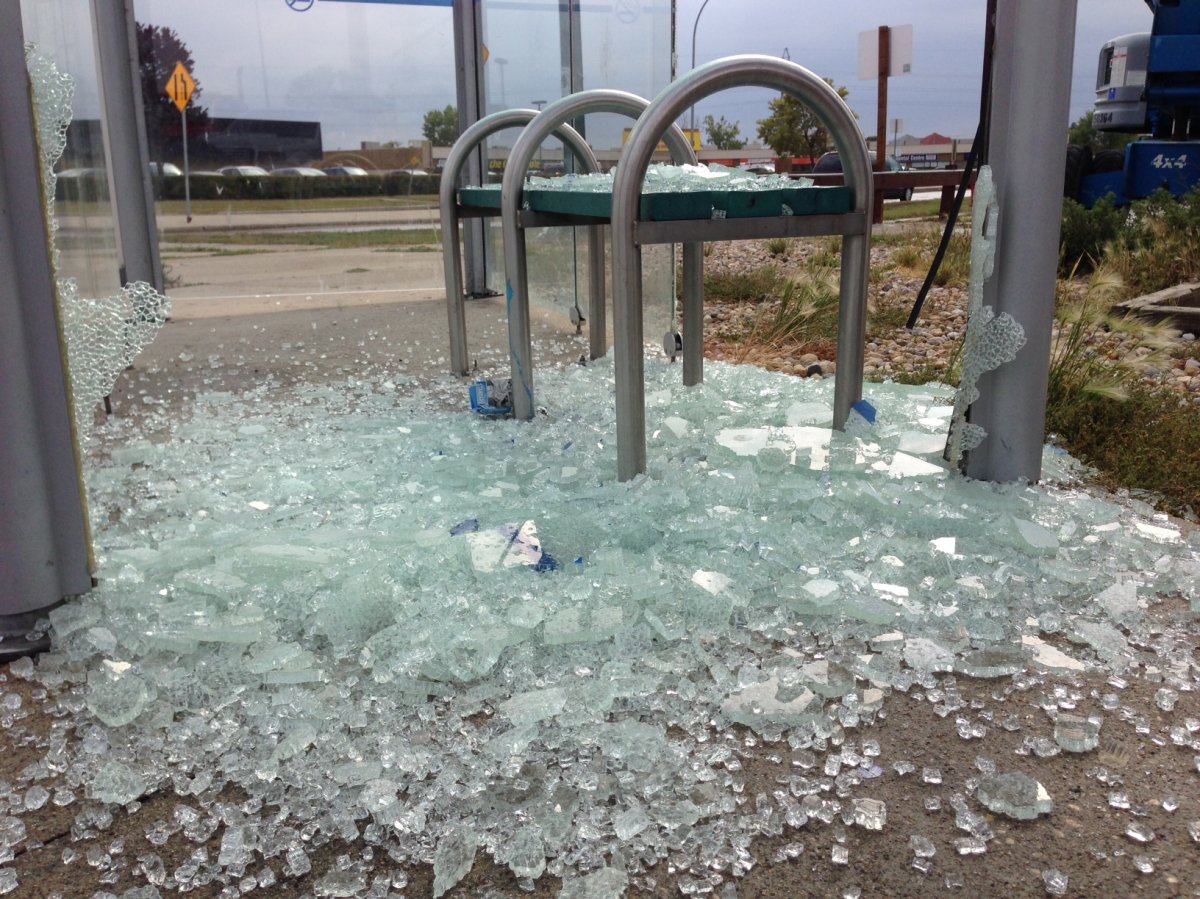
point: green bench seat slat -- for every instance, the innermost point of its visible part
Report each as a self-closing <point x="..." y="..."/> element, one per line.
<point x="672" y="207"/>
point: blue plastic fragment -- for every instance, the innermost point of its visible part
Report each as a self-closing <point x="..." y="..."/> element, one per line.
<point x="481" y="402"/>
<point x="546" y="563"/>
<point x="465" y="527"/>
<point x="866" y="410"/>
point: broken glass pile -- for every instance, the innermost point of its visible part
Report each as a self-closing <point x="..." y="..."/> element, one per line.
<point x="662" y="178"/>
<point x="392" y="624"/>
<point x="342" y="606"/>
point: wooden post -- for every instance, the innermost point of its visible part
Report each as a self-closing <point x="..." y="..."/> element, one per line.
<point x="885" y="64"/>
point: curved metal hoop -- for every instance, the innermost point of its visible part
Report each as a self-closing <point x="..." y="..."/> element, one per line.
<point x="734" y="71"/>
<point x="451" y="171"/>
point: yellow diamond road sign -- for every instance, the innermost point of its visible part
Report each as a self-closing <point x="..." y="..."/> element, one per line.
<point x="181" y="86"/>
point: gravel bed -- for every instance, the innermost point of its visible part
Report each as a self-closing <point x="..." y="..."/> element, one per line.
<point x="892" y="351"/>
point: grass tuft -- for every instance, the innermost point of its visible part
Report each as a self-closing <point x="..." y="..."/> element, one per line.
<point x="778" y="246"/>
<point x="744" y="287"/>
<point x="381" y="237"/>
<point x="1137" y="435"/>
<point x="807" y="313"/>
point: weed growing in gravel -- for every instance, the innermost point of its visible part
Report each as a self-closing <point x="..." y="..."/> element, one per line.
<point x="807" y="313"/>
<point x="1139" y="436"/>
<point x="1087" y="337"/>
<point x="918" y="255"/>
<point x="745" y="286"/>
<point x="827" y="254"/>
<point x="778" y="246"/>
<point x="885" y="319"/>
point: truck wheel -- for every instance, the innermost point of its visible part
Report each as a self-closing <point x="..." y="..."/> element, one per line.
<point x="1079" y="160"/>
<point x="1107" y="161"/>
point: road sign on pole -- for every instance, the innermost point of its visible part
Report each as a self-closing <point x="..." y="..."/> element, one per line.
<point x="180" y="87"/>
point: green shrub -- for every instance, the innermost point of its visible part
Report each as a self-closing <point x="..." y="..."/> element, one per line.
<point x="1086" y="233"/>
<point x="1159" y="245"/>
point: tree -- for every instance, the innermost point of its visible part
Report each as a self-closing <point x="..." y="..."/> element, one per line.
<point x="722" y="134"/>
<point x="1084" y="133"/>
<point x="441" y="126"/>
<point x="793" y="129"/>
<point x="159" y="51"/>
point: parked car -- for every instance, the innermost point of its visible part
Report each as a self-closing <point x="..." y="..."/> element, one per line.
<point x="346" y="170"/>
<point x="169" y="169"/>
<point x="248" y="171"/>
<point x="83" y="174"/>
<point x="299" y="171"/>
<point x="830" y="163"/>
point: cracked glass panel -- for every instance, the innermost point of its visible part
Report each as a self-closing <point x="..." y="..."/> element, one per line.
<point x="102" y="335"/>
<point x="991" y="339"/>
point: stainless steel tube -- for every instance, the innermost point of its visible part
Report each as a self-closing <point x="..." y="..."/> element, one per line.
<point x="460" y="153"/>
<point x="735" y="71"/>
<point x="516" y="288"/>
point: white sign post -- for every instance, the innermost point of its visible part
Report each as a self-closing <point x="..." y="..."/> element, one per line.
<point x="882" y="53"/>
<point x="896" y="124"/>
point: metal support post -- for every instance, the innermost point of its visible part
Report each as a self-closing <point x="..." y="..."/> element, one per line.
<point x="1029" y="116"/>
<point x="124" y="128"/>
<point x="44" y="540"/>
<point x="654" y="123"/>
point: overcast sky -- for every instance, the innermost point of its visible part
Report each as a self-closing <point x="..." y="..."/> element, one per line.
<point x="942" y="93"/>
<point x="369" y="71"/>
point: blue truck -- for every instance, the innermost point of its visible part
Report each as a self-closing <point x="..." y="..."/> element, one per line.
<point x="1146" y="84"/>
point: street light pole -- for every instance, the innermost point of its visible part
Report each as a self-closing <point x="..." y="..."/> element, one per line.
<point x="539" y="104"/>
<point x="695" y="25"/>
<point x="501" y="62"/>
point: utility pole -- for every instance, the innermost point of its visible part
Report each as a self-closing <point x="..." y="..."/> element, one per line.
<point x="539" y="104"/>
<point x="692" y="126"/>
<point x="885" y="64"/>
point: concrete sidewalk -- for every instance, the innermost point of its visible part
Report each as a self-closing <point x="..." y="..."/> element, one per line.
<point x="333" y="219"/>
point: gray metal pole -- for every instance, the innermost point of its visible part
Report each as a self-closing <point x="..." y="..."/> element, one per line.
<point x="734" y="71"/>
<point x="695" y="25"/>
<point x="44" y="541"/>
<point x="187" y="171"/>
<point x="1029" y="117"/>
<point x="468" y="54"/>
<point x="124" y="128"/>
